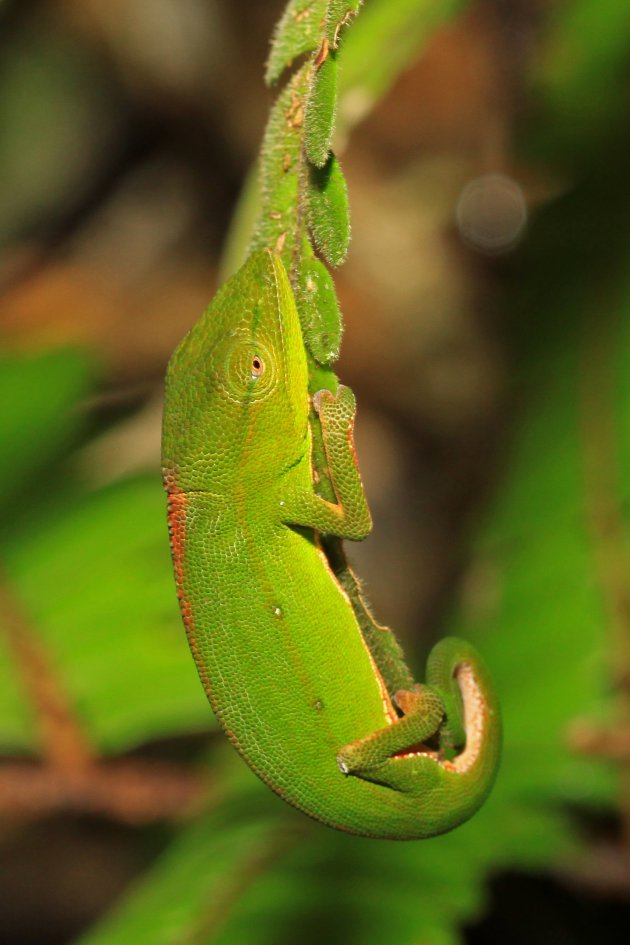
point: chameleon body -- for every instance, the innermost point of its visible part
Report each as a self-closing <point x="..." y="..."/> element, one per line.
<point x="276" y="637"/>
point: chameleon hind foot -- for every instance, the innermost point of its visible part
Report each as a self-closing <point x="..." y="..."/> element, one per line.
<point x="424" y="715"/>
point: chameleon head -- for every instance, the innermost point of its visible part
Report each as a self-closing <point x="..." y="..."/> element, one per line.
<point x="236" y="406"/>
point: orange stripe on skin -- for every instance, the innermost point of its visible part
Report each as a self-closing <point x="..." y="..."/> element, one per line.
<point x="177" y="502"/>
<point x="353" y="448"/>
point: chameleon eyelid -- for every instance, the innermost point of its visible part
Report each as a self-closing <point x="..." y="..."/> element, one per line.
<point x="258" y="366"/>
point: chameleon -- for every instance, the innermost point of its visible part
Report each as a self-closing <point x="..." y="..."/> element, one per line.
<point x="279" y="644"/>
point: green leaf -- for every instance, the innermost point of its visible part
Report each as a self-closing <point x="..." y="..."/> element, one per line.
<point x="96" y="585"/>
<point x="328" y="211"/>
<point x="385" y="39"/>
<point x="319" y="310"/>
<point x="338" y="16"/>
<point x="280" y="168"/>
<point x="546" y="562"/>
<point x="299" y="31"/>
<point x="320" y="110"/>
<point x="199" y="881"/>
<point x="38" y="417"/>
<point x="252" y="871"/>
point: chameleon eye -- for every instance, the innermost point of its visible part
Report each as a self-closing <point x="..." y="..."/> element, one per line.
<point x="248" y="369"/>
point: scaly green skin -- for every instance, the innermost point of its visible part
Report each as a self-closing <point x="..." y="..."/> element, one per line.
<point x="277" y="644"/>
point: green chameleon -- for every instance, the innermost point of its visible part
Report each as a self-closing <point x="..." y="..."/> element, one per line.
<point x="314" y="695"/>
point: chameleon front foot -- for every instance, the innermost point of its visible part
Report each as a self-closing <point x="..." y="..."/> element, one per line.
<point x="349" y="516"/>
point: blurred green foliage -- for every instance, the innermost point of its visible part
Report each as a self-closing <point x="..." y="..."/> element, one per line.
<point x="92" y="572"/>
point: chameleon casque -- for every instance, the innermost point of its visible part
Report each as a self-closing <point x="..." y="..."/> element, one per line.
<point x="276" y="637"/>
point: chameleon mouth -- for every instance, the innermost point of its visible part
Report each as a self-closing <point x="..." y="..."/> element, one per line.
<point x="417" y="751"/>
